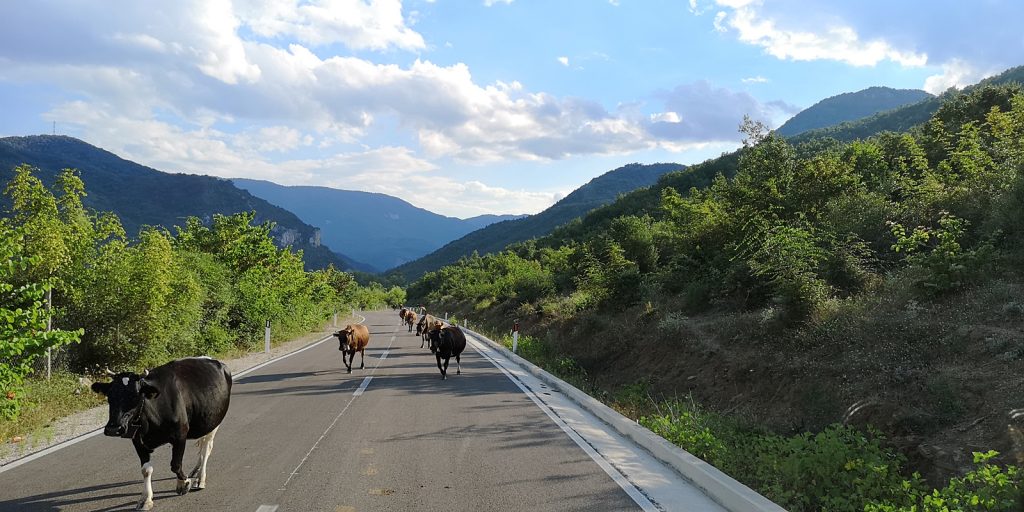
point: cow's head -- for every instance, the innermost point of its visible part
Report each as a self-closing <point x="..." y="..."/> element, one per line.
<point x="126" y="394"/>
<point x="421" y="326"/>
<point x="346" y="339"/>
<point x="434" y="333"/>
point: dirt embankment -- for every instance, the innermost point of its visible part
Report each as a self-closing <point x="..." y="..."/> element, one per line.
<point x="940" y="379"/>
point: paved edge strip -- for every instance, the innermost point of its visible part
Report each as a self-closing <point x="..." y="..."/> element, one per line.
<point x="721" y="487"/>
<point x="64" y="444"/>
<point x="637" y="495"/>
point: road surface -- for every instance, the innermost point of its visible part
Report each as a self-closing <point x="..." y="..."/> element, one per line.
<point x="302" y="434"/>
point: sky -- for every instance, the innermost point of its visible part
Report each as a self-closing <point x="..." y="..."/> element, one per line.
<point x="464" y="107"/>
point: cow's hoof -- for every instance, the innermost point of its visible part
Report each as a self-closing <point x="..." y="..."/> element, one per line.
<point x="144" y="505"/>
<point x="184" y="486"/>
<point x="198" y="486"/>
<point x="458" y="372"/>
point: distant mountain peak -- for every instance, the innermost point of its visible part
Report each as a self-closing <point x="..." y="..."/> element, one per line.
<point x="372" y="227"/>
<point x="849" y="106"/>
<point x="596" y="193"/>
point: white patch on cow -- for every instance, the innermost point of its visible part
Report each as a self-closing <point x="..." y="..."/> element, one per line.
<point x="124" y="380"/>
<point x="205" y="445"/>
<point x="146" y="502"/>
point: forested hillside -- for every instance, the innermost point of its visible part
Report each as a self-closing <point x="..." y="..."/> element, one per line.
<point x="597" y="192"/>
<point x="134" y="302"/>
<point x="902" y="118"/>
<point x="370" y="227"/>
<point x="142" y="196"/>
<point x="849" y="107"/>
<point x="766" y="317"/>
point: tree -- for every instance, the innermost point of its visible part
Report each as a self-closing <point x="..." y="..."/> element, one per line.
<point x="23" y="321"/>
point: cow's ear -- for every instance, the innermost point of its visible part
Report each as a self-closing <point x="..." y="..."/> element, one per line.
<point x="101" y="387"/>
<point x="148" y="390"/>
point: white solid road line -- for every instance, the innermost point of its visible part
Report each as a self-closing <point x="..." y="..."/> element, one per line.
<point x="29" y="458"/>
<point x="267" y="508"/>
<point x="639" y="497"/>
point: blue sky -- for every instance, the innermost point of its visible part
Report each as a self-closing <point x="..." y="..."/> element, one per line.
<point x="463" y="107"/>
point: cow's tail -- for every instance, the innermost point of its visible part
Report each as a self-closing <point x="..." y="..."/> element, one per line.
<point x="227" y="375"/>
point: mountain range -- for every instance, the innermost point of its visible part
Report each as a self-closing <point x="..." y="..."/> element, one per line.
<point x="323" y="222"/>
<point x="142" y="196"/>
<point x="595" y="193"/>
<point x="849" y="107"/>
<point x="382" y="230"/>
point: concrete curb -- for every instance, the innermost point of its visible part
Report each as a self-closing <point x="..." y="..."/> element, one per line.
<point x="725" y="490"/>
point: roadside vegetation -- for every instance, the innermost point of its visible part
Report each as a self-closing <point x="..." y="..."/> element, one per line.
<point x="843" y="320"/>
<point x="133" y="303"/>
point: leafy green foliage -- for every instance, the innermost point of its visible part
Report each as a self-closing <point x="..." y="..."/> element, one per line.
<point x="207" y="289"/>
<point x="141" y="196"/>
<point x="23" y="321"/>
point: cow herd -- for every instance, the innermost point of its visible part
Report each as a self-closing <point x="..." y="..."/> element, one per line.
<point x="443" y="341"/>
<point x="188" y="398"/>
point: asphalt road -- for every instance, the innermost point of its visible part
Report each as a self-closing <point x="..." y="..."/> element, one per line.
<point x="304" y="435"/>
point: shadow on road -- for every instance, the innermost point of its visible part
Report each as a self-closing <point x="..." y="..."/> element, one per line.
<point x="58" y="500"/>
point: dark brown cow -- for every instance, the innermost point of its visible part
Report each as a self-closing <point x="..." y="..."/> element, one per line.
<point x="401" y="314"/>
<point x="353" y="338"/>
<point x="448" y="341"/>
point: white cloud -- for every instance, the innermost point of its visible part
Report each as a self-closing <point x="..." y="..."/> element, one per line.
<point x="213" y="90"/>
<point x="955" y="73"/>
<point x="755" y="80"/>
<point x="358" y="24"/>
<point x="955" y="37"/>
<point x="391" y="170"/>
<point x="699" y="113"/>
<point x="666" y="117"/>
<point x="489" y="3"/>
<point x="834" y="42"/>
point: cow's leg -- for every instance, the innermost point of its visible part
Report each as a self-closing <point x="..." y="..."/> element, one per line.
<point x="439" y="367"/>
<point x="348" y="361"/>
<point x="146" y="502"/>
<point x="205" y="447"/>
<point x="422" y="339"/>
<point x="177" y="455"/>
<point x="362" y="358"/>
<point x="458" y="364"/>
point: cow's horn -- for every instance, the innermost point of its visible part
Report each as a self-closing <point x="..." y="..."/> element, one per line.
<point x="109" y="372"/>
<point x="145" y="373"/>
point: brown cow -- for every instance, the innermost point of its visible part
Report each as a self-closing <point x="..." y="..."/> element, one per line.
<point x="353" y="338"/>
<point x="401" y="314"/>
<point x="423" y="326"/>
<point x="410" y="319"/>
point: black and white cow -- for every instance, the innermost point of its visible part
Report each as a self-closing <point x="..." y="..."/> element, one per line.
<point x="183" y="399"/>
<point x="447" y="342"/>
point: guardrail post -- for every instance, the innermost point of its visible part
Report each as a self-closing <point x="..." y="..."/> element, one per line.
<point x="335" y="318"/>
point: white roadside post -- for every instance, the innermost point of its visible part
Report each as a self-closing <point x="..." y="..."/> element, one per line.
<point x="49" y="327"/>
<point x="266" y="339"/>
<point x="335" y="318"/>
<point x="515" y="336"/>
<point x="445" y="316"/>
